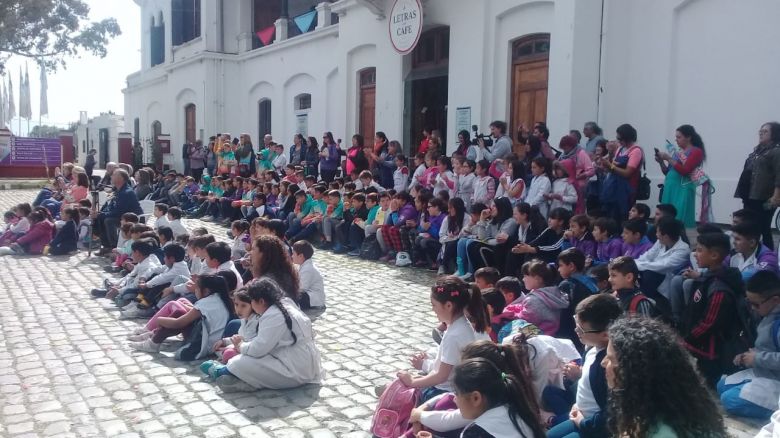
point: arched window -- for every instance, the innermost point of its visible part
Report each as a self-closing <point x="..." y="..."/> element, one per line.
<point x="302" y="102"/>
<point x="189" y="123"/>
<point x="264" y="117"/>
<point x="157" y="40"/>
<point x="531" y="48"/>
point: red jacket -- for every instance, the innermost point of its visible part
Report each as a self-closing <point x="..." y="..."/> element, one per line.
<point x="37" y="238"/>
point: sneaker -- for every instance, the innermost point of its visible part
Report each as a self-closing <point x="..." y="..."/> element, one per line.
<point x="402" y="259"/>
<point x="129" y="307"/>
<point x="354" y="253"/>
<point x="466" y="277"/>
<point x="136" y="313"/>
<point x="112" y="294"/>
<point x="140" y="337"/>
<point x="140" y="330"/>
<point x="207" y="218"/>
<point x="230" y="383"/>
<point x="147" y="346"/>
<point x="207" y="366"/>
<point x="98" y="293"/>
<point x="441" y="271"/>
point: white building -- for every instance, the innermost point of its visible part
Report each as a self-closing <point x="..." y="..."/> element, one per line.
<point x="102" y="134"/>
<point x="655" y="64"/>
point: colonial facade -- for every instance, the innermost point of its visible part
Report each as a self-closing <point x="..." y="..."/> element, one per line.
<point x="235" y="66"/>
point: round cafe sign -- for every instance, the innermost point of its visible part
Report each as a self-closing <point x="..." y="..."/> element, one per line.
<point x="405" y="25"/>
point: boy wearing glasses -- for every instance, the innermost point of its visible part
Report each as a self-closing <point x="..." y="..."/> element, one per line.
<point x="753" y="392"/>
<point x="587" y="417"/>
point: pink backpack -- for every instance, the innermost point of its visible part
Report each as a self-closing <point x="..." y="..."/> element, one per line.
<point x="391" y="418"/>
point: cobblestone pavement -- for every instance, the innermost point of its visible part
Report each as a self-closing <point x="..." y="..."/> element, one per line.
<point x="66" y="369"/>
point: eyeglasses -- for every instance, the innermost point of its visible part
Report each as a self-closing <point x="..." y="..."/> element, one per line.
<point x="580" y="331"/>
<point x="763" y="131"/>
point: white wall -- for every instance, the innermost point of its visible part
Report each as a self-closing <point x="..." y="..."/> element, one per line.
<point x="709" y="63"/>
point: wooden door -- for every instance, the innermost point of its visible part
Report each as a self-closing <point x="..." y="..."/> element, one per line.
<point x="367" y="117"/>
<point x="529" y="94"/>
<point x="368" y="114"/>
<point x="530" y="69"/>
<point x="189" y="123"/>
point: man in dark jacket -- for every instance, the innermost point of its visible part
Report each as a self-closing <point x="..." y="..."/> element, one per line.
<point x="106" y="222"/>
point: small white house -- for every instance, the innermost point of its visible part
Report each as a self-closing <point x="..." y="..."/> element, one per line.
<point x="102" y="134"/>
<point x="236" y="66"/>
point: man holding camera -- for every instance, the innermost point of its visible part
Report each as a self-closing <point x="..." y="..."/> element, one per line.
<point x="502" y="146"/>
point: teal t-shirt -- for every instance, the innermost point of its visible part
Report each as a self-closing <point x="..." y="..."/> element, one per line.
<point x="372" y="214"/>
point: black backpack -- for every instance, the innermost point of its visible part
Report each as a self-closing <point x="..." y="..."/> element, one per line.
<point x="370" y="249"/>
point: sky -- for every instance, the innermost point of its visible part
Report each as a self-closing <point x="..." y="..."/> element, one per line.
<point x="89" y="83"/>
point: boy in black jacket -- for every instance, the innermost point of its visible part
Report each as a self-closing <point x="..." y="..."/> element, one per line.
<point x="67" y="237"/>
<point x="577" y="286"/>
<point x="588" y="416"/>
<point x="358" y="211"/>
<point x="710" y="319"/>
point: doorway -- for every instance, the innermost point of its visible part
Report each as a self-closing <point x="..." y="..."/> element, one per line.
<point x="427" y="87"/>
<point x="103" y="145"/>
<point x="367" y="126"/>
<point x="530" y="67"/>
<point x="264" y="119"/>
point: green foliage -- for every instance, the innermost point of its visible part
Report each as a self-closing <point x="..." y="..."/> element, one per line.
<point x="49" y="31"/>
<point x="45" y="131"/>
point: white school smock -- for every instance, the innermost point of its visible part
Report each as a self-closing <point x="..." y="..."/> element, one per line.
<point x="496" y="422"/>
<point x="535" y="193"/>
<point x="214" y="317"/>
<point x="585" y="400"/>
<point x="272" y="360"/>
<point x="312" y="283"/>
<point x="459" y="334"/>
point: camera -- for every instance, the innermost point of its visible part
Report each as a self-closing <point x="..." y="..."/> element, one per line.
<point x="488" y="140"/>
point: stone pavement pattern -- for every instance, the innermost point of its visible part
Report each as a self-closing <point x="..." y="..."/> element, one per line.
<point x="67" y="369"/>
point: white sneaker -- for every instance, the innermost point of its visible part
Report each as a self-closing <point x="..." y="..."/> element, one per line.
<point x="147" y="346"/>
<point x="135" y="313"/>
<point x="140" y="337"/>
<point x="140" y="330"/>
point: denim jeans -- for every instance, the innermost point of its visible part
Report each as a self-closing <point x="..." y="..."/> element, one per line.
<point x="463" y="254"/>
<point x="567" y="429"/>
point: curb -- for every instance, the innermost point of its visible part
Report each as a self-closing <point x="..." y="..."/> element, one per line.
<point x="21" y="185"/>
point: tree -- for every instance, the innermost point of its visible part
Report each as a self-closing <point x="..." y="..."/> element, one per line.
<point x="49" y="31"/>
<point x="45" y="131"/>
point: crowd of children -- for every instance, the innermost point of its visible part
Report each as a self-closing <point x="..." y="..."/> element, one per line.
<point x="552" y="273"/>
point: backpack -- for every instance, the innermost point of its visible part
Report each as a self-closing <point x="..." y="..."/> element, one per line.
<point x="643" y="189"/>
<point x="393" y="410"/>
<point x="634" y="304"/>
<point x="370" y="249"/>
<point x="742" y="336"/>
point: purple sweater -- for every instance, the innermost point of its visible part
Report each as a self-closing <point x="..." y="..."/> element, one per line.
<point x="636" y="250"/>
<point x="606" y="251"/>
<point x="405" y="213"/>
<point x="586" y="244"/>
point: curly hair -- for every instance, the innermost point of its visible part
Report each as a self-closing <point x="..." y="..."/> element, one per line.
<point x="656" y="382"/>
<point x="276" y="263"/>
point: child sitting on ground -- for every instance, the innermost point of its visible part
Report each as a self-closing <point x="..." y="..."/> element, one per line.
<point x="451" y="298"/>
<point x="750" y="255"/>
<point x="240" y="231"/>
<point x="20" y="226"/>
<point x="593" y="316"/>
<point x="576" y="286"/>
<point x="608" y="244"/>
<point x="710" y="316"/>
<point x="67" y="237"/>
<point x="623" y="275"/>
<point x="754" y="391"/>
<point x="635" y="241"/>
<point x="160" y="214"/>
<point x="85" y="222"/>
<point x="543" y="303"/>
<point x="174" y="221"/>
<point x="579" y="236"/>
<point x="227" y="348"/>
<point x="312" y="284"/>
<point x="35" y="239"/>
<point x="212" y="306"/>
<point x="283" y="355"/>
<point x="658" y="265"/>
<point x="174" y="271"/>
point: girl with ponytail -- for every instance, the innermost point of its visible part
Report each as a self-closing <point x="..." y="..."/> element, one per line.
<point x="452" y="300"/>
<point x="441" y="414"/>
<point x="494" y="400"/>
<point x="281" y="356"/>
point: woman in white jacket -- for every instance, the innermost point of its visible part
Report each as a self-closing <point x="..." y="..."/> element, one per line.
<point x="283" y="355"/>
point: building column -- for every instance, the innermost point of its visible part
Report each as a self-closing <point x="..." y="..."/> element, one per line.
<point x="245" y="24"/>
<point x="324" y="18"/>
<point x="283" y="22"/>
